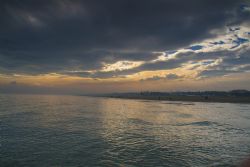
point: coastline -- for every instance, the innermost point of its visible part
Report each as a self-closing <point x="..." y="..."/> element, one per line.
<point x="216" y="99"/>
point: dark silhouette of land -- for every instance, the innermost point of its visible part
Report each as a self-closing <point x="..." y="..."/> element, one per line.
<point x="234" y="96"/>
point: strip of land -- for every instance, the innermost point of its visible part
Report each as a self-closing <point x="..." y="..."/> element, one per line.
<point x="235" y="96"/>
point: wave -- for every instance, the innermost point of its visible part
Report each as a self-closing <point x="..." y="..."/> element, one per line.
<point x="200" y="123"/>
<point x="139" y="121"/>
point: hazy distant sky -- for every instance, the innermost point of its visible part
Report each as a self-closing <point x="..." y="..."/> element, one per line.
<point x="96" y="46"/>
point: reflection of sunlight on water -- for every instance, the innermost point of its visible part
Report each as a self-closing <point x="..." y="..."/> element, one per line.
<point x="119" y="132"/>
<point x="48" y="111"/>
<point x="129" y="124"/>
<point x="148" y="112"/>
<point x="134" y="123"/>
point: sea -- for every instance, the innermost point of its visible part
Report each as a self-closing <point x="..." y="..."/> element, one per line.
<point x="75" y="131"/>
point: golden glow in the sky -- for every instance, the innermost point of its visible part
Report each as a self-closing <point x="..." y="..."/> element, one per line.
<point x="121" y="65"/>
<point x="166" y="70"/>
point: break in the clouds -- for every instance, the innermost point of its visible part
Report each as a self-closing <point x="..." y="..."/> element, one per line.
<point x="121" y="38"/>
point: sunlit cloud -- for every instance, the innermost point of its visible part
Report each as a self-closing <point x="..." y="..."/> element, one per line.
<point x="121" y="66"/>
<point x="164" y="56"/>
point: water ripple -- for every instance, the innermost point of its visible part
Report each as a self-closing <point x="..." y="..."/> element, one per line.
<point x="73" y="131"/>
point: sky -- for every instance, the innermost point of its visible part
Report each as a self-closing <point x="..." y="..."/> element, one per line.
<point x="94" y="46"/>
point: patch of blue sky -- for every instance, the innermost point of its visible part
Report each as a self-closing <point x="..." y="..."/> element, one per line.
<point x="195" y="47"/>
<point x="244" y="7"/>
<point x="239" y="41"/>
<point x="218" y="43"/>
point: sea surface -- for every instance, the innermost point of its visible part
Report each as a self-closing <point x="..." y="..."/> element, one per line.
<point x="72" y="131"/>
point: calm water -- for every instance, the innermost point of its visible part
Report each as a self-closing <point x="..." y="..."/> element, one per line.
<point x="41" y="130"/>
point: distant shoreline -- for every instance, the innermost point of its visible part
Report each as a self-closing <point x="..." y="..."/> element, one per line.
<point x="189" y="99"/>
<point x="235" y="96"/>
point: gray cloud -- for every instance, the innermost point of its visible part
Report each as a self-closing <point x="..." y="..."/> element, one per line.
<point x="231" y="62"/>
<point x="172" y="76"/>
<point x="215" y="73"/>
<point x="13" y="83"/>
<point x="167" y="77"/>
<point x="64" y="35"/>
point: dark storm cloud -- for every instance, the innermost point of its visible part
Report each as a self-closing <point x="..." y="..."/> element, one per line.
<point x="45" y="36"/>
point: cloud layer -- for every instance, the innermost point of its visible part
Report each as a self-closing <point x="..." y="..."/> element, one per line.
<point x="115" y="39"/>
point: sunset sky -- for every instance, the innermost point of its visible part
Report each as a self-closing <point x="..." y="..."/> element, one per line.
<point x="91" y="46"/>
